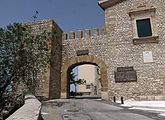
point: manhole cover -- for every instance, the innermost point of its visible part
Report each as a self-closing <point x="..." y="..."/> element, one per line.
<point x="72" y="110"/>
<point x="59" y="104"/>
<point x="76" y="117"/>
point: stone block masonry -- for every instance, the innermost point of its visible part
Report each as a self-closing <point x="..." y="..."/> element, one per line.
<point x="122" y="52"/>
<point x="117" y="46"/>
<point x="50" y="85"/>
<point x="94" y="43"/>
<point x="91" y="42"/>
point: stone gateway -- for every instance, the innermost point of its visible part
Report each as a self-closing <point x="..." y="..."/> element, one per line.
<point x="129" y="50"/>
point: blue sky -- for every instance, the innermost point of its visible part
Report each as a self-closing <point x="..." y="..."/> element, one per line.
<point x="70" y="15"/>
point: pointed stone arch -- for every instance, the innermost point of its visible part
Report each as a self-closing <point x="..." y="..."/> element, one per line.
<point x="79" y="60"/>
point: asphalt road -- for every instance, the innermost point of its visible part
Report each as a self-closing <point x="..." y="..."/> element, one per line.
<point x="85" y="109"/>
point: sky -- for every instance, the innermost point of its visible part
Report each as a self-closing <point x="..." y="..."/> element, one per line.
<point x="70" y="15"/>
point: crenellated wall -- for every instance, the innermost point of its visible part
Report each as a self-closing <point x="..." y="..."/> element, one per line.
<point x="94" y="41"/>
<point x="87" y="34"/>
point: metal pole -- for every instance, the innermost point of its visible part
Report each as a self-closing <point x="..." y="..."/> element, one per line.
<point x="114" y="99"/>
<point x="122" y="100"/>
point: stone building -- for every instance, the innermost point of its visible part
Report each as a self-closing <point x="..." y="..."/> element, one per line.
<point x="90" y="73"/>
<point x="129" y="51"/>
<point x="135" y="39"/>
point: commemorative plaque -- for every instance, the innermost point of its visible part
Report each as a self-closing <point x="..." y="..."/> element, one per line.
<point x="125" y="74"/>
<point x="147" y="56"/>
<point x="82" y="52"/>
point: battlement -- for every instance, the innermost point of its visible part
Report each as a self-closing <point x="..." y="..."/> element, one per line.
<point x="86" y="35"/>
<point x="44" y="25"/>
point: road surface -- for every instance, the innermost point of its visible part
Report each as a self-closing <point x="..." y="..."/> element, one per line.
<point x="85" y="109"/>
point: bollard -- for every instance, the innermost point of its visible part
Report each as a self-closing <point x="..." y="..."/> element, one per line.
<point x="122" y="100"/>
<point x="114" y="99"/>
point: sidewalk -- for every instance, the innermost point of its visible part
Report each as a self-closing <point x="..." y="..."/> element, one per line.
<point x="154" y="106"/>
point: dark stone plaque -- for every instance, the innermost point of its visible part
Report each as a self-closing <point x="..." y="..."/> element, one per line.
<point x="82" y="52"/>
<point x="125" y="74"/>
<point x="120" y="69"/>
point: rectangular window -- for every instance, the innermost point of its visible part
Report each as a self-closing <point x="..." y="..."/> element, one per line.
<point x="87" y="86"/>
<point x="144" y="27"/>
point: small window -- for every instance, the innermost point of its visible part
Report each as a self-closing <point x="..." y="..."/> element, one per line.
<point x="87" y="86"/>
<point x="144" y="27"/>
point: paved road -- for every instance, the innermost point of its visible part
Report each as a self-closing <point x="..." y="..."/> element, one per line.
<point x="85" y="109"/>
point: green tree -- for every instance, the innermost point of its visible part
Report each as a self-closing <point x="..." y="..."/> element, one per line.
<point x="24" y="55"/>
<point x="75" y="81"/>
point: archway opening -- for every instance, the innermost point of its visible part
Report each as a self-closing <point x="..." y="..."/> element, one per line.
<point x="84" y="81"/>
<point x="70" y="63"/>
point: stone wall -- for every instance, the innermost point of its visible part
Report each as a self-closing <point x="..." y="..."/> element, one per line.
<point x="55" y="69"/>
<point x="89" y="40"/>
<point x="29" y="111"/>
<point x="117" y="49"/>
<point x="123" y="53"/>
<point x="94" y="43"/>
<point x="49" y="86"/>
